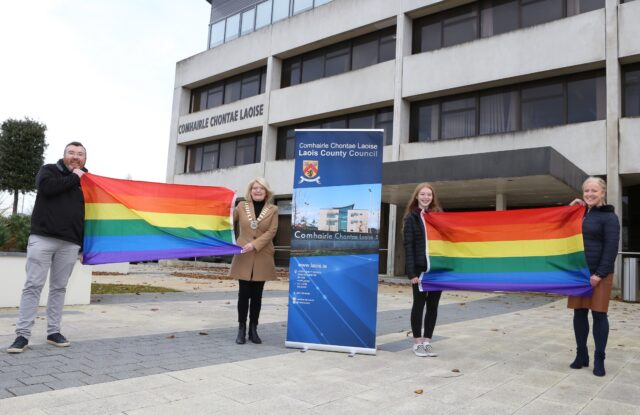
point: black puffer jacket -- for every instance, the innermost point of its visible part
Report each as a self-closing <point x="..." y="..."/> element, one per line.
<point x="415" y="251"/>
<point x="601" y="233"/>
<point x="59" y="209"/>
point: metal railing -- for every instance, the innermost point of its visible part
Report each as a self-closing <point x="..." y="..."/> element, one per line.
<point x="630" y="262"/>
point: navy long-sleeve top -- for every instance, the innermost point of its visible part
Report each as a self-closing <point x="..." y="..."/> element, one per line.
<point x="601" y="233"/>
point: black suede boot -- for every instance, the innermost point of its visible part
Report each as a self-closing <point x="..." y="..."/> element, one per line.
<point x="582" y="358"/>
<point x="242" y="331"/>
<point x="598" y="363"/>
<point x="253" y="333"/>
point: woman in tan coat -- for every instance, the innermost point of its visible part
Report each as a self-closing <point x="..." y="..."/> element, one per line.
<point x="257" y="221"/>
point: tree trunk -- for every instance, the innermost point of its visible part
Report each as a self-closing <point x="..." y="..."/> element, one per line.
<point x="15" y="202"/>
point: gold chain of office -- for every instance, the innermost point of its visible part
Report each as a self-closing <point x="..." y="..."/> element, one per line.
<point x="253" y="223"/>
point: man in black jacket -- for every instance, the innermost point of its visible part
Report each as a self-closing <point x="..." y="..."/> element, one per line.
<point x="57" y="224"/>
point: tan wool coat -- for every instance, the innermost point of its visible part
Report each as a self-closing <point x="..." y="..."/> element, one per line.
<point x="257" y="265"/>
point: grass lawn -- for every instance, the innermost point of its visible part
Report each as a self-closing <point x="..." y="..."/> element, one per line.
<point x="128" y="289"/>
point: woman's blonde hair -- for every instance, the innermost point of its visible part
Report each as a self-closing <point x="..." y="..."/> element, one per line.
<point x="601" y="183"/>
<point x="262" y="182"/>
<point x="434" y="206"/>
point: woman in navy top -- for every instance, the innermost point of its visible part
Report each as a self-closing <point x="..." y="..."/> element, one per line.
<point x="601" y="234"/>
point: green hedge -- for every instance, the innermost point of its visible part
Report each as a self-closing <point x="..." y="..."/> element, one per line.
<point x="14" y="232"/>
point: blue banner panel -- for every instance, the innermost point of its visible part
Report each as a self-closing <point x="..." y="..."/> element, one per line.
<point x="335" y="239"/>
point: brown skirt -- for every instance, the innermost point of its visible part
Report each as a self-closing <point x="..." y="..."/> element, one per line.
<point x="599" y="300"/>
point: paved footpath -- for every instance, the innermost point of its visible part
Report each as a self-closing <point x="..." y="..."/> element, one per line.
<point x="175" y="353"/>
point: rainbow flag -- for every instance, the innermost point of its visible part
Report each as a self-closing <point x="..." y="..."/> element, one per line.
<point x="538" y="250"/>
<point x="139" y="221"/>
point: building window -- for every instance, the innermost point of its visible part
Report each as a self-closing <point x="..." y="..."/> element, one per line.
<point x="380" y="119"/>
<point x="263" y="14"/>
<point x="339" y="58"/>
<point x="219" y="154"/>
<point x="565" y="100"/>
<point x="229" y="90"/>
<point x="631" y="91"/>
<point x="486" y="18"/>
<point x="248" y="20"/>
<point x="233" y="28"/>
<point x="216" y="36"/>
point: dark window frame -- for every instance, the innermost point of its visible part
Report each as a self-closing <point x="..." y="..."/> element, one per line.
<point x="287" y="64"/>
<point x="204" y="90"/>
<point x="440" y="17"/>
<point x="287" y="134"/>
<point x="195" y="165"/>
<point x="414" y="127"/>
<point x="625" y="70"/>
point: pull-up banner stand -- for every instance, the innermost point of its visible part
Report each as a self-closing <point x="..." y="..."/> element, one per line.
<point x="333" y="286"/>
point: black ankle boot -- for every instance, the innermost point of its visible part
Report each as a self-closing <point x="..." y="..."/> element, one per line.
<point x="253" y="333"/>
<point x="242" y="331"/>
<point x="581" y="360"/>
<point x="598" y="364"/>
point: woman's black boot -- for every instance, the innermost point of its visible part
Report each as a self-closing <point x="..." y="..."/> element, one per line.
<point x="242" y="332"/>
<point x="598" y="363"/>
<point x="582" y="359"/>
<point x="253" y="333"/>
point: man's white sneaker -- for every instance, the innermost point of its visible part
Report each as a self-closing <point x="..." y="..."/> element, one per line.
<point x="419" y="350"/>
<point x="428" y="349"/>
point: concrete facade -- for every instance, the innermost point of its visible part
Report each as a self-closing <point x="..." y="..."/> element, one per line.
<point x="602" y="39"/>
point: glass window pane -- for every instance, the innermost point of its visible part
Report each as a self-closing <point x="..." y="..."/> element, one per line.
<point x="263" y="80"/>
<point x="217" y="34"/>
<point x="387" y="47"/>
<point x="247" y="21"/>
<point x="250" y="85"/>
<point x="542" y="106"/>
<point x="458" y="118"/>
<point x="540" y="11"/>
<point x="428" y="37"/>
<point x="291" y="71"/>
<point x="245" y="150"/>
<point x="499" y="112"/>
<point x="362" y="120"/>
<point x="460" y="28"/>
<point x="365" y="52"/>
<point x="499" y="16"/>
<point x="214" y="96"/>
<point x="227" y="154"/>
<point x="233" y="26"/>
<point x="582" y="99"/>
<point x="424" y="122"/>
<point x="301" y="5"/>
<point x="337" y="60"/>
<point x="286" y="144"/>
<point x="263" y="14"/>
<point x="582" y="6"/>
<point x="632" y="93"/>
<point x="384" y="120"/>
<point x="210" y="157"/>
<point x="335" y="123"/>
<point x="232" y="90"/>
<point x="280" y="10"/>
<point x="312" y="67"/>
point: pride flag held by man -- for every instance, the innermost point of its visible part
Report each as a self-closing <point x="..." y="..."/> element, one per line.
<point x="129" y="220"/>
<point x="535" y="250"/>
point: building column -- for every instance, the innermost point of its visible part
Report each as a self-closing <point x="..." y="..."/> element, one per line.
<point x="269" y="132"/>
<point x="614" y="111"/>
<point x="176" y="155"/>
<point x="401" y="112"/>
<point x="501" y="201"/>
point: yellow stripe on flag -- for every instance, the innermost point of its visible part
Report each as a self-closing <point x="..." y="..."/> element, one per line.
<point x="116" y="211"/>
<point x="500" y="249"/>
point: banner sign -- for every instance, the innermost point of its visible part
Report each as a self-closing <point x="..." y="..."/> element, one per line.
<point x="333" y="286"/>
<point x="127" y="220"/>
<point x="536" y="250"/>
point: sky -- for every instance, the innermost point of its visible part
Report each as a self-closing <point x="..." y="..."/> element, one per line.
<point x="99" y="72"/>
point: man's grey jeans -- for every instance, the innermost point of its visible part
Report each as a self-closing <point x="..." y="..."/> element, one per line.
<point x="44" y="253"/>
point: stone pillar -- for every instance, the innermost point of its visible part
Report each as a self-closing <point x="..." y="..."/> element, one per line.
<point x="501" y="201"/>
<point x="269" y="132"/>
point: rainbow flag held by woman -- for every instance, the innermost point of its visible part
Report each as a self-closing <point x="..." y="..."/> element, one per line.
<point x="129" y="220"/>
<point x="536" y="250"/>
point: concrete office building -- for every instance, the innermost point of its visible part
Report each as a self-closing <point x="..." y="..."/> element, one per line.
<point x="500" y="103"/>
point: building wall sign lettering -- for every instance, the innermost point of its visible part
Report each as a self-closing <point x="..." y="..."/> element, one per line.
<point x="221" y="119"/>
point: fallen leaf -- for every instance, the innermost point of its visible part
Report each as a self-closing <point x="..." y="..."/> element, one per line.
<point x="494" y="329"/>
<point x="418" y="391"/>
<point x="202" y="333"/>
<point x="171" y="337"/>
<point x="455" y="370"/>
<point x="155" y="309"/>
